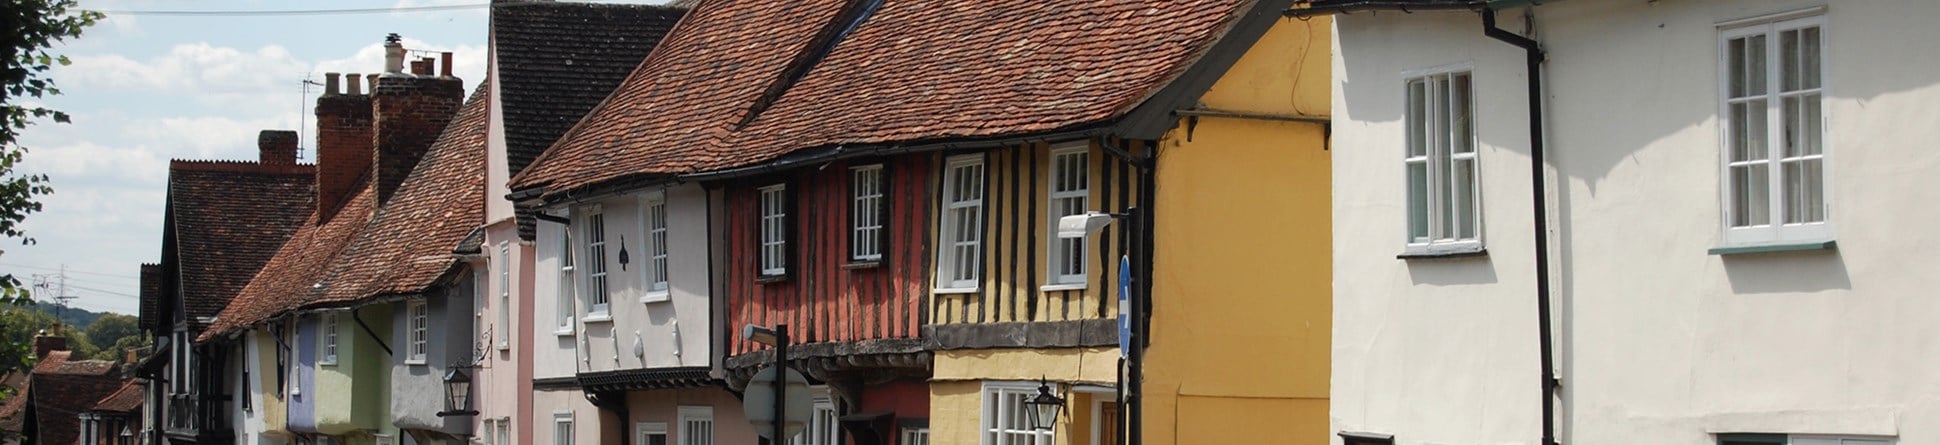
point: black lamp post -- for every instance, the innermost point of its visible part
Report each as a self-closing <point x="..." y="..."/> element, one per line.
<point x="1043" y="408"/>
<point x="458" y="392"/>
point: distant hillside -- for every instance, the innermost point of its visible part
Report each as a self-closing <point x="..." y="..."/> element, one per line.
<point x="70" y="316"/>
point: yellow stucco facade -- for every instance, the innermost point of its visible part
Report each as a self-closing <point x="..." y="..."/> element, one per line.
<point x="1082" y="375"/>
<point x="1241" y="312"/>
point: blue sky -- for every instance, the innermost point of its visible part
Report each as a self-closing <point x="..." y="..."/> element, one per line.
<point x="144" y="89"/>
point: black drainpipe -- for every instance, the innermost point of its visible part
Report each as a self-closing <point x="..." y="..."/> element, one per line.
<point x="373" y="334"/>
<point x="1534" y="59"/>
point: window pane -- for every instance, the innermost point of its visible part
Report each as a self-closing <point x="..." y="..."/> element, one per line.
<point x="1755" y="65"/>
<point x="1444" y="197"/>
<point x="1809" y="54"/>
<point x="1735" y="81"/>
<point x="1788" y="66"/>
<point x="1417" y="118"/>
<point x="1459" y="124"/>
<point x="1810" y="122"/>
<point x="1463" y="184"/>
<point x="1418" y="201"/>
<point x="1750" y="197"/>
<point x="1749" y="127"/>
<point x="1804" y="191"/>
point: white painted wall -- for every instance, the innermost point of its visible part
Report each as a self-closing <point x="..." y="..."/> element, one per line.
<point x="1659" y="341"/>
<point x="671" y="333"/>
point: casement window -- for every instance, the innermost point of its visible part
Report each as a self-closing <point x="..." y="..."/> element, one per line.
<point x="696" y="425"/>
<point x="824" y="426"/>
<point x="1070" y="186"/>
<point x="915" y="436"/>
<point x="774" y="230"/>
<point x="596" y="286"/>
<point x="568" y="286"/>
<point x="1444" y="205"/>
<point x="866" y="213"/>
<point x="1004" y="418"/>
<point x="562" y="429"/>
<point x="650" y="433"/>
<point x="656" y="270"/>
<point x="504" y="296"/>
<point x="960" y="257"/>
<point x="1783" y="439"/>
<point x="329" y="339"/>
<point x="87" y="428"/>
<point x="180" y="345"/>
<point x="1774" y="160"/>
<point x="420" y="325"/>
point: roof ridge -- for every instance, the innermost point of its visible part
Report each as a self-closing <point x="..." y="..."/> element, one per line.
<point x="234" y="166"/>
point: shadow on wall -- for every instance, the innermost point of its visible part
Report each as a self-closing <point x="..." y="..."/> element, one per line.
<point x="1452" y="271"/>
<point x="1787" y="272"/>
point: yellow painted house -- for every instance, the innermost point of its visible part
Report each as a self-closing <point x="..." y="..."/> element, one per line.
<point x="1241" y="306"/>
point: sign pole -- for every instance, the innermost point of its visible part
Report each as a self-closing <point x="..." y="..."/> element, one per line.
<point x="780" y="384"/>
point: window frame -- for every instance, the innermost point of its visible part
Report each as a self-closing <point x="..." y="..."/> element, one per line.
<point x="1774" y="230"/>
<point x="327" y="338"/>
<point x="1800" y="439"/>
<point x="913" y="436"/>
<point x="948" y="268"/>
<point x="824" y="424"/>
<point x="599" y="286"/>
<point x="504" y="296"/>
<point x="1438" y="238"/>
<point x="685" y="415"/>
<point x="868" y="212"/>
<point x="418" y="331"/>
<point x="656" y="274"/>
<point x="642" y="431"/>
<point x="994" y="397"/>
<point x="773" y="219"/>
<point x="565" y="311"/>
<point x="1059" y="250"/>
<point x="562" y="428"/>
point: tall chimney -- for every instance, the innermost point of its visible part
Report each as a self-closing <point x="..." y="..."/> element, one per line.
<point x="45" y="342"/>
<point x="393" y="53"/>
<point x="344" y="135"/>
<point x="276" y="147"/>
<point x="411" y="111"/>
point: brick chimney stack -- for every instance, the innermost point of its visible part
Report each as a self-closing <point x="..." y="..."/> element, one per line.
<point x="411" y="111"/>
<point x="344" y="138"/>
<point x="45" y="343"/>
<point x="276" y="147"/>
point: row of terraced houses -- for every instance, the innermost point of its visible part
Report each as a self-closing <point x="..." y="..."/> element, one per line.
<point x="1325" y="221"/>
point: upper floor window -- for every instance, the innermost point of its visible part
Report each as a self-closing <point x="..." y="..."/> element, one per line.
<point x="504" y="295"/>
<point x="1004" y="418"/>
<point x="696" y="425"/>
<point x="596" y="286"/>
<point x="563" y="304"/>
<point x="866" y="215"/>
<point x="562" y="429"/>
<point x="960" y="257"/>
<point x="656" y="270"/>
<point x="420" y="319"/>
<point x="329" y="328"/>
<point x="1444" y="205"/>
<point x="774" y="230"/>
<point x="1772" y="77"/>
<point x="1070" y="186"/>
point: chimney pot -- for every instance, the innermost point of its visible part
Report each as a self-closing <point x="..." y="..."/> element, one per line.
<point x="417" y="67"/>
<point x="354" y="88"/>
<point x="372" y="80"/>
<point x="446" y="66"/>
<point x="393" y="54"/>
<point x="330" y="83"/>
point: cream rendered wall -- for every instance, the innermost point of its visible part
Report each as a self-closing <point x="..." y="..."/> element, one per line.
<point x="1659" y="341"/>
<point x="1432" y="351"/>
<point x="668" y="333"/>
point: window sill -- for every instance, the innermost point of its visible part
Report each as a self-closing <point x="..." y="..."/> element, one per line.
<point x="954" y="290"/>
<point x="659" y="296"/>
<point x="1443" y="251"/>
<point x="414" y="361"/>
<point x="771" y="279"/>
<point x="1064" y="286"/>
<point x="863" y="264"/>
<point x="1749" y="249"/>
<point x="504" y="346"/>
<point x="563" y="332"/>
<point x="601" y="317"/>
<point x="324" y="363"/>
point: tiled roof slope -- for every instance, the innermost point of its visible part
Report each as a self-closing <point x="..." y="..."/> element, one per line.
<point x="13" y="413"/>
<point x="286" y="282"/>
<point x="127" y="399"/>
<point x="670" y="113"/>
<point x="915" y="70"/>
<point x="62" y="389"/>
<point x="558" y="60"/>
<point x="229" y="218"/>
<point x="151" y="293"/>
<point x="408" y="245"/>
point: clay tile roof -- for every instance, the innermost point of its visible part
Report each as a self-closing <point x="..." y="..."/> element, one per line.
<point x="228" y="218"/>
<point x="407" y="247"/>
<point x="13" y="413"/>
<point x="13" y="379"/>
<point x="914" y="70"/>
<point x="558" y="60"/>
<point x="127" y="399"/>
<point x="62" y="388"/>
<point x="287" y="280"/>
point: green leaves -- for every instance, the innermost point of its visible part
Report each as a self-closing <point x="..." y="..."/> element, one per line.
<point x="34" y="26"/>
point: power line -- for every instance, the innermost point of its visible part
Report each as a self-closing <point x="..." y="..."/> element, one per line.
<point x="109" y="292"/>
<point x="295" y="12"/>
<point x="131" y="277"/>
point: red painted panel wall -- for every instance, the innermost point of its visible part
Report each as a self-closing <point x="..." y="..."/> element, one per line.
<point x="825" y="298"/>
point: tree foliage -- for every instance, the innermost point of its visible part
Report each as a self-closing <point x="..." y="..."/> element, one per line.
<point x="33" y="27"/>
